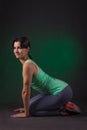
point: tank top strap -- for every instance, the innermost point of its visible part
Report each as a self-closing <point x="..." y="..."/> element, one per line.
<point x="28" y="60"/>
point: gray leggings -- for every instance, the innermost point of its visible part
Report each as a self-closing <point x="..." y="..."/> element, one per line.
<point x="49" y="105"/>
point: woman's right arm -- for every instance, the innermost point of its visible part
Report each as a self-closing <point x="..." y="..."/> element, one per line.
<point x="26" y="90"/>
<point x="28" y="72"/>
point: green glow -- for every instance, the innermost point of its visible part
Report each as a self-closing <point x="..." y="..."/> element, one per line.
<point x="59" y="55"/>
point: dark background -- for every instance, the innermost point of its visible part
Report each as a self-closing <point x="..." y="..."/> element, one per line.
<point x="57" y="30"/>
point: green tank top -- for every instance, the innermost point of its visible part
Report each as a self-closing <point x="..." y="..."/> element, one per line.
<point x="44" y="83"/>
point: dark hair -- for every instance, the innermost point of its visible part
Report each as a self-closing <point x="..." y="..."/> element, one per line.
<point x="24" y="43"/>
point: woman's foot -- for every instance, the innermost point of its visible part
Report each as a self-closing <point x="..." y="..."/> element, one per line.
<point x="70" y="109"/>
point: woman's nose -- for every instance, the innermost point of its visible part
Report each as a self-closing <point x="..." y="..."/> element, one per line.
<point x="16" y="50"/>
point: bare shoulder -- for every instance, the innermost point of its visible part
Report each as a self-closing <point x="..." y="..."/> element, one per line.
<point x="30" y="66"/>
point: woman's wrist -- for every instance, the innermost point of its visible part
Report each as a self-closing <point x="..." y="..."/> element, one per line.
<point x="27" y="114"/>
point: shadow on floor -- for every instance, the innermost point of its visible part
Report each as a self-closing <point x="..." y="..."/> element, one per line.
<point x="75" y="122"/>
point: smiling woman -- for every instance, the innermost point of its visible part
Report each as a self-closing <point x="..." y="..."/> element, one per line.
<point x="18" y="51"/>
<point x="21" y="50"/>
<point x="54" y="95"/>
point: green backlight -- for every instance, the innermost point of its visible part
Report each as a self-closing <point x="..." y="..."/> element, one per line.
<point x="60" y="56"/>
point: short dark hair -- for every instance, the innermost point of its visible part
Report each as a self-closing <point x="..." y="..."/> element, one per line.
<point x="24" y="41"/>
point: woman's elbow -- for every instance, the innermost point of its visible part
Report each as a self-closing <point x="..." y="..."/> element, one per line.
<point x="26" y="91"/>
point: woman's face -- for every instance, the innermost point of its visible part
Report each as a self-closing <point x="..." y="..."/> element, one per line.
<point x="19" y="52"/>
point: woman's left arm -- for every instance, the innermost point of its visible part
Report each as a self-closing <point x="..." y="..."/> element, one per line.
<point x="26" y="90"/>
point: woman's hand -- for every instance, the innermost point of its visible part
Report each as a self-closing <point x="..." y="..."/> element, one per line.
<point x="19" y="115"/>
<point x="19" y="110"/>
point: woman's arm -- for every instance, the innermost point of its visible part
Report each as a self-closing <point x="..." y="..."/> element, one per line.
<point x="26" y="91"/>
<point x="28" y="71"/>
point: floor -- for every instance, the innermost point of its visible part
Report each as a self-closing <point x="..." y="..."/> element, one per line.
<point x="75" y="122"/>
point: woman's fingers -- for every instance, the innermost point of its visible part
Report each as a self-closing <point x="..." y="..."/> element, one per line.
<point x="19" y="110"/>
<point x="19" y="115"/>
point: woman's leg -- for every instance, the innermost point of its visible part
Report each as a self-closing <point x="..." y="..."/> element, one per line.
<point x="42" y="105"/>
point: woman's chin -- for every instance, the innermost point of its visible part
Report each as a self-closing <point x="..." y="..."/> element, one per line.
<point x="18" y="57"/>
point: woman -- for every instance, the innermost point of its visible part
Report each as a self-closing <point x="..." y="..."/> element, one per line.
<point x="54" y="93"/>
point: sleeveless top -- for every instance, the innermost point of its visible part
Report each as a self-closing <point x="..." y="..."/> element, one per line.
<point x="46" y="84"/>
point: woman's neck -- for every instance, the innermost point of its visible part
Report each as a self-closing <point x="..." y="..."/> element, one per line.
<point x="22" y="60"/>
